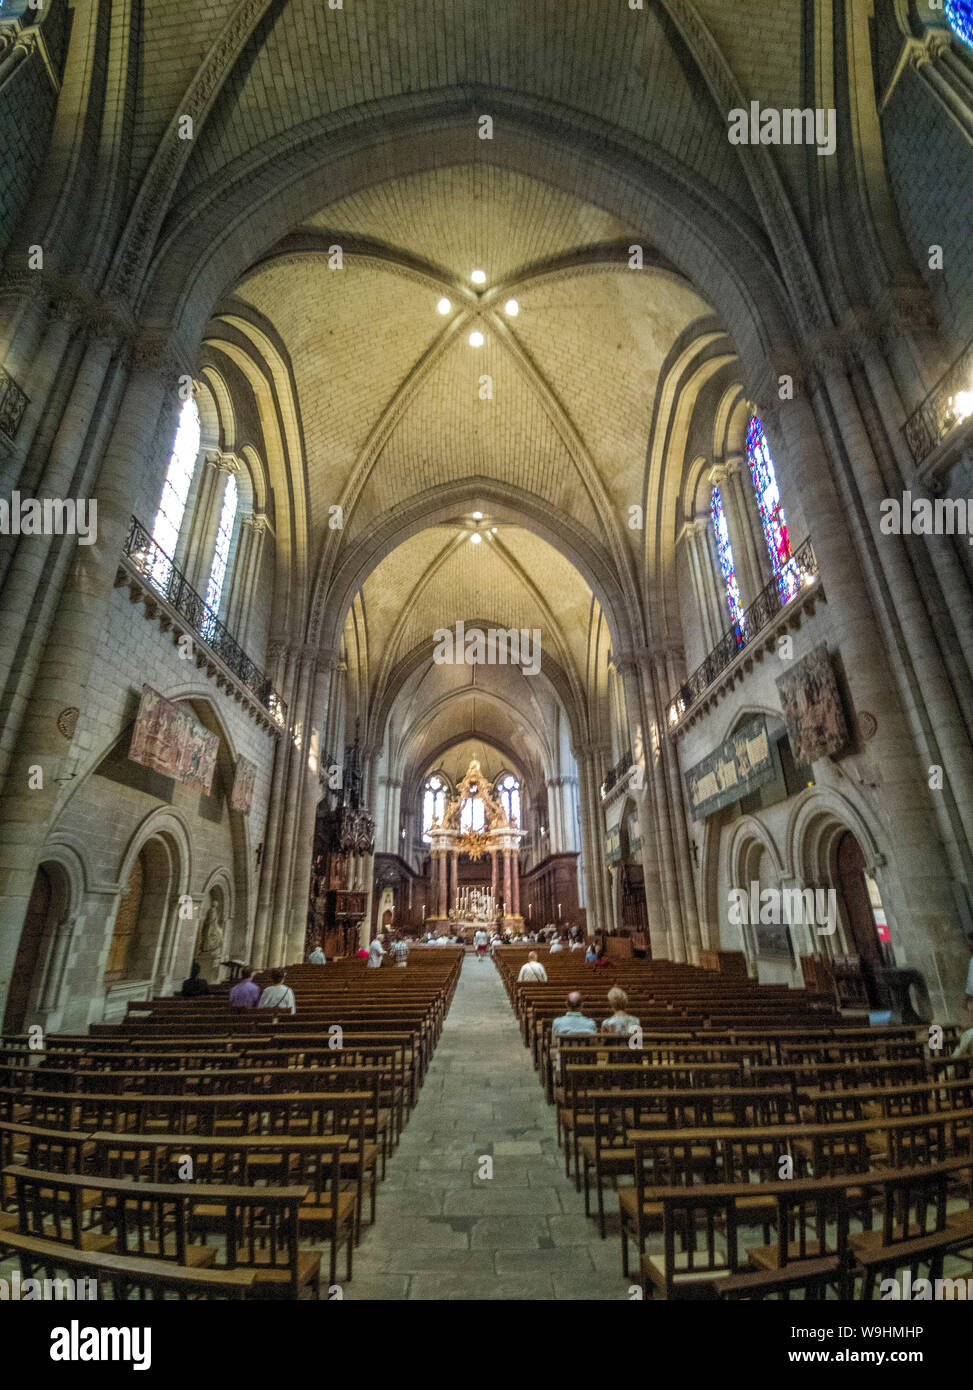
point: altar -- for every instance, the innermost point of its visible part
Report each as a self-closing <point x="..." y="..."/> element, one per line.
<point x="475" y="830"/>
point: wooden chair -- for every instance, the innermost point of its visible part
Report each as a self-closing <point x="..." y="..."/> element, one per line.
<point x="699" y="1245"/>
<point x="262" y="1235"/>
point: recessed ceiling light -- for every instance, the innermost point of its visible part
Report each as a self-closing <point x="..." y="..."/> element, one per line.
<point x="477" y="516"/>
<point x="444" y="306"/>
<point x="512" y="308"/>
<point x="476" y="338"/>
<point x="478" y="277"/>
<point x="493" y="530"/>
<point x="476" y="538"/>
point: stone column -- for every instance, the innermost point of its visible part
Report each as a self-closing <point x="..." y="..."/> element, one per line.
<point x="493" y="874"/>
<point x="658" y="875"/>
<point x="515" y="874"/>
<point x="246" y="575"/>
<point x="442" y="883"/>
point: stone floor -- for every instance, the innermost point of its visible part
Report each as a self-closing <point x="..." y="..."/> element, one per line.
<point x="444" y="1232"/>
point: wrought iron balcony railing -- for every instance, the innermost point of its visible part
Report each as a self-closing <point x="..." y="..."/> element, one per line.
<point x="800" y="571"/>
<point x="159" y="572"/>
<point x="616" y="773"/>
<point x="948" y="404"/>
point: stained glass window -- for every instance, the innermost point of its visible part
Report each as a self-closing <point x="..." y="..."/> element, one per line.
<point x="724" y="553"/>
<point x="960" y="16"/>
<point x="224" y="534"/>
<point x="433" y="803"/>
<point x="771" y="510"/>
<point x="508" y="794"/>
<point x="175" y="488"/>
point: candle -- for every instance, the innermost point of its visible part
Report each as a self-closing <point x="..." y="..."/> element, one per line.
<point x="559" y="912"/>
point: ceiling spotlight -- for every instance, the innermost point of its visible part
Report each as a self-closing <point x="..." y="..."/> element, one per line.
<point x="444" y="306"/>
<point x="478" y="277"/>
<point x="476" y="338"/>
<point x="477" y="516"/>
<point x="493" y="530"/>
<point x="476" y="538"/>
<point x="512" y="308"/>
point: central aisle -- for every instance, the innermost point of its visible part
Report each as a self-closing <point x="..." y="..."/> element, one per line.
<point x="442" y="1231"/>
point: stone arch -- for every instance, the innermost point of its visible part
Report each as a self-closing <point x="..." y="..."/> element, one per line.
<point x="43" y="946"/>
<point x="212" y="236"/>
<point x="335" y="591"/>
<point x="163" y="839"/>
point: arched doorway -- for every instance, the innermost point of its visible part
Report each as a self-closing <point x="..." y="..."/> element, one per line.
<point x="46" y="909"/>
<point x="862" y="913"/>
<point x="142" y="915"/>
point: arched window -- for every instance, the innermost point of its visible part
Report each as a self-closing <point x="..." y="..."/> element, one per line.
<point x="179" y="476"/>
<point x="508" y="794"/>
<point x="433" y="803"/>
<point x="960" y="16"/>
<point x="217" y="574"/>
<point x="724" y="554"/>
<point x="771" y="510"/>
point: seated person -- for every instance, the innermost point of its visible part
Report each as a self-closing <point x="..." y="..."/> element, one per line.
<point x="532" y="972"/>
<point x="317" y="956"/>
<point x="246" y="991"/>
<point x="277" y="995"/>
<point x="574" y="1021"/>
<point x="591" y="955"/>
<point x="602" y="957"/>
<point x="619" y="1021"/>
<point x="195" y="985"/>
<point x="556" y="945"/>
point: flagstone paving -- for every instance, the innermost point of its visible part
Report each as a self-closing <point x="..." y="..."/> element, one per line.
<point x="446" y="1232"/>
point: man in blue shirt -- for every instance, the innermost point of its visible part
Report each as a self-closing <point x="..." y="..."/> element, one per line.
<point x="574" y="1021"/>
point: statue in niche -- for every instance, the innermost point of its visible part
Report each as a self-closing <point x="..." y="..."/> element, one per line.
<point x="211" y="937"/>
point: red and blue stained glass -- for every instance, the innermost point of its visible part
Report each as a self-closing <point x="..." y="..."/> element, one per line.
<point x="960" y="16"/>
<point x="772" y="516"/>
<point x="724" y="553"/>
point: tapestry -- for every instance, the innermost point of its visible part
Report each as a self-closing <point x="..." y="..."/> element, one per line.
<point x="812" y="709"/>
<point x="741" y="764"/>
<point x="169" y="740"/>
<point x="241" y="797"/>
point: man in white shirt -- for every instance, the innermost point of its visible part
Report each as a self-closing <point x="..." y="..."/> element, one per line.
<point x="481" y="941"/>
<point x="556" y="945"/>
<point x="375" y="953"/>
<point x="316" y="957"/>
<point x="277" y="995"/>
<point x="532" y="972"/>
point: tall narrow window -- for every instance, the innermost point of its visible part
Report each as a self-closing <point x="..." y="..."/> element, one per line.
<point x="433" y="803"/>
<point x="224" y="534"/>
<point x="175" y="488"/>
<point x="771" y="510"/>
<point x="724" y="554"/>
<point x="472" y="814"/>
<point x="508" y="794"/>
<point x="960" y="16"/>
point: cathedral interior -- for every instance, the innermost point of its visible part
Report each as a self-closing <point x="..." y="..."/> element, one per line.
<point x="493" y="467"/>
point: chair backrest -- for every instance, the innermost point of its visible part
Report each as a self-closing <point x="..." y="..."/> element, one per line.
<point x="262" y="1229"/>
<point x="812" y="1222"/>
<point x="47" y="1208"/>
<point x="699" y="1234"/>
<point x="914" y="1205"/>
